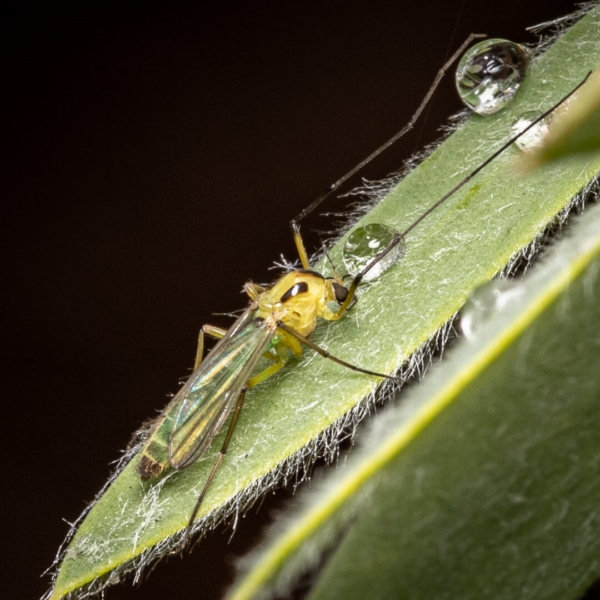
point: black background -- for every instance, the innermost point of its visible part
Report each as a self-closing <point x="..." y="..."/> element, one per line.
<point x="157" y="153"/>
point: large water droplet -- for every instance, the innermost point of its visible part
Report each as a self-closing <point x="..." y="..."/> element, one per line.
<point x="365" y="243"/>
<point x="490" y="73"/>
<point x="487" y="300"/>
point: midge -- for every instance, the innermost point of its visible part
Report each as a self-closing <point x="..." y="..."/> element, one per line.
<point x="275" y="326"/>
<point x="277" y="323"/>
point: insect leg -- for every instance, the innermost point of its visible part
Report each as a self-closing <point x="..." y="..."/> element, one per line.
<point x="294" y="224"/>
<point x="326" y="354"/>
<point x="215" y="332"/>
<point x="396" y="240"/>
<point x="216" y="466"/>
<point x="259" y="378"/>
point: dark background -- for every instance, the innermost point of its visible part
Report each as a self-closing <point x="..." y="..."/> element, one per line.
<point x="157" y="154"/>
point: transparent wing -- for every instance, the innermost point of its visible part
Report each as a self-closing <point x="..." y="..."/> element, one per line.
<point x="212" y="391"/>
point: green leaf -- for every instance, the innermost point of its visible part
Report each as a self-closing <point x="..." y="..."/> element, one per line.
<point x="290" y="418"/>
<point x="483" y="482"/>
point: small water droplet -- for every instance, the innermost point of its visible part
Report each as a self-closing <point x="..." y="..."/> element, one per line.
<point x="365" y="243"/>
<point x="490" y="73"/>
<point x="486" y="301"/>
<point x="535" y="136"/>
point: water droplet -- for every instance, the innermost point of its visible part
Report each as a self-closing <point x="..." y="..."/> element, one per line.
<point x="365" y="243"/>
<point x="490" y="73"/>
<point x="486" y="301"/>
<point x="535" y="136"/>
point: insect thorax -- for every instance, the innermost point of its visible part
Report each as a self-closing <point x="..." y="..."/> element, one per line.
<point x="297" y="299"/>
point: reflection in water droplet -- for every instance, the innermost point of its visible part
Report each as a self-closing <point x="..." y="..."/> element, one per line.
<point x="535" y="136"/>
<point x="365" y="243"/>
<point x="490" y="73"/>
<point x="486" y="301"/>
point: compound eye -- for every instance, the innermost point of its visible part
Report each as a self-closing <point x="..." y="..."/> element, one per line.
<point x="297" y="288"/>
<point x="341" y="293"/>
